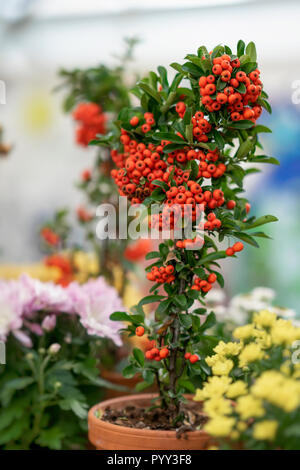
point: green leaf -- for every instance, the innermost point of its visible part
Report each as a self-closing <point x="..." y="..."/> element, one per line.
<point x="265" y="159"/>
<point x="246" y="238"/>
<point x="212" y="257"/>
<point x="243" y="124"/>
<point x="129" y="371"/>
<point x="149" y="91"/>
<point x="79" y="409"/>
<point x="251" y="51"/>
<point x="192" y="69"/>
<point x="264" y="104"/>
<point x="180" y="300"/>
<point x="150" y="299"/>
<point x="244" y="148"/>
<point x="219" y="139"/>
<point x="51" y="438"/>
<point x="163" y="76"/>
<point x="194" y="170"/>
<point x="259" y="128"/>
<point x="161" y="184"/>
<point x="209" y="322"/>
<point x="185" y="320"/>
<point x="12" y="386"/>
<point x="158" y="195"/>
<point x="169" y="136"/>
<point x="176" y="66"/>
<point x="139" y="356"/>
<point x="187" y="384"/>
<point x="249" y="67"/>
<point x="120" y="316"/>
<point x="152" y="255"/>
<point x="241" y="88"/>
<point x="265" y="219"/>
<point x="200" y="311"/>
<point x="219" y="49"/>
<point x="16" y="430"/>
<point x="148" y="376"/>
<point x="240" y="48"/>
<point x="141" y="386"/>
<point x="163" y="306"/>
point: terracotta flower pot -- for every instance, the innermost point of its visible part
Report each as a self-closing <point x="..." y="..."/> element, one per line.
<point x="106" y="436"/>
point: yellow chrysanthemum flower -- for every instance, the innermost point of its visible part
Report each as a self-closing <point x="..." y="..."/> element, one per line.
<point x="212" y="360"/>
<point x="220" y="426"/>
<point x="249" y="407"/>
<point x="278" y="389"/>
<point x="241" y="426"/>
<point x="234" y="435"/>
<point x="214" y="386"/>
<point x="244" y="332"/>
<point x="283" y="332"/>
<point x="251" y="353"/>
<point x="237" y="389"/>
<point x="228" y="349"/>
<point x="265" y="430"/>
<point x="217" y="406"/>
<point x="222" y="367"/>
<point x="264" y="319"/>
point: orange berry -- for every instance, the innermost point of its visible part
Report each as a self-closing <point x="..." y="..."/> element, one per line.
<point x="134" y="121"/>
<point x="238" y="246"/>
<point x="230" y="251"/>
<point x="194" y="358"/>
<point x="212" y="278"/>
<point x="164" y="352"/>
<point x="231" y="204"/>
<point x="140" y="330"/>
<point x="187" y="355"/>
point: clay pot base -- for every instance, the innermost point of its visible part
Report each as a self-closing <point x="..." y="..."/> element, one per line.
<point x="108" y="436"/>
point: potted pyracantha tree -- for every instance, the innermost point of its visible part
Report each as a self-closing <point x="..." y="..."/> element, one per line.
<point x="183" y="146"/>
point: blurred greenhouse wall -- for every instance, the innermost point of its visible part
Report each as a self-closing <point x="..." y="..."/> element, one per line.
<point x="39" y="37"/>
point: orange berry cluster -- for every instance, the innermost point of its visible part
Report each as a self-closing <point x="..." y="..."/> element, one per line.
<point x="149" y="122"/>
<point x="92" y="122"/>
<point x="240" y="103"/>
<point x="64" y="266"/>
<point x="196" y="243"/>
<point x="83" y="215"/>
<point x="238" y="246"/>
<point x="201" y="127"/>
<point x="204" y="284"/>
<point x="49" y="236"/>
<point x="191" y="357"/>
<point x="138" y="166"/>
<point x="162" y="274"/>
<point x="86" y="175"/>
<point x="155" y="354"/>
<point x="179" y="197"/>
<point x="207" y="166"/>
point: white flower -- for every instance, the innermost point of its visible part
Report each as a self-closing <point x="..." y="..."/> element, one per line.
<point x="10" y="308"/>
<point x="54" y="348"/>
<point x="263" y="293"/>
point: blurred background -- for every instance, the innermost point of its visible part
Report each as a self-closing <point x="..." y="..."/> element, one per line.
<point x="40" y="36"/>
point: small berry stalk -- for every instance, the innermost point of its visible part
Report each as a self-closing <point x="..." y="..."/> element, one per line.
<point x="186" y="146"/>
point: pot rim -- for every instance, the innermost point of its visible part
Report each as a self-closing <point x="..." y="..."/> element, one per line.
<point x="98" y="422"/>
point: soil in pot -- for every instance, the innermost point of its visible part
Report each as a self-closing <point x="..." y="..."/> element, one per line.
<point x="128" y="423"/>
